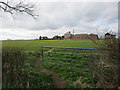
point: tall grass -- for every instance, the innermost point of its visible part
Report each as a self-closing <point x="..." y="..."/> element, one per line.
<point x="12" y="65"/>
<point x="106" y="70"/>
<point x="18" y="71"/>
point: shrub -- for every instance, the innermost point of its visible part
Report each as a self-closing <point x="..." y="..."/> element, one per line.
<point x="18" y="70"/>
<point x="106" y="69"/>
<point x="12" y="64"/>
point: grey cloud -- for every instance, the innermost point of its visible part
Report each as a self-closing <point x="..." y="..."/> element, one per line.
<point x="85" y="17"/>
<point x="56" y="15"/>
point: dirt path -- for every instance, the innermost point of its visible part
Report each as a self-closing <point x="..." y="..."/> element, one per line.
<point x="58" y="83"/>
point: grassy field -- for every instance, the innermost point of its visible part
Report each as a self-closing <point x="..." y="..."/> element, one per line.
<point x="36" y="44"/>
<point x="78" y="69"/>
<point x="73" y="77"/>
<point x="73" y="68"/>
<point x="72" y="65"/>
<point x="18" y="70"/>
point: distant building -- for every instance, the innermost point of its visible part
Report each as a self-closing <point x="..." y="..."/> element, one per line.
<point x="109" y="36"/>
<point x="68" y="35"/>
<point x="80" y="36"/>
<point x="93" y="36"/>
<point x="85" y="36"/>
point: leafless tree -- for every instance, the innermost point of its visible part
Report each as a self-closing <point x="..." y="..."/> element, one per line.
<point x="20" y="7"/>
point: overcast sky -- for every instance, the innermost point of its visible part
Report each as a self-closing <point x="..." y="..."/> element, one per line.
<point x="57" y="18"/>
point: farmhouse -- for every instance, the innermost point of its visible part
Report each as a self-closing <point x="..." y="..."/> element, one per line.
<point x="85" y="36"/>
<point x="68" y="35"/>
<point x="109" y="36"/>
<point x="80" y="36"/>
<point x="93" y="36"/>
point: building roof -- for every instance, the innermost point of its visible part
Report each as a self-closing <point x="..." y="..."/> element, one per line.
<point x="93" y="34"/>
<point x="68" y="33"/>
<point x="107" y="34"/>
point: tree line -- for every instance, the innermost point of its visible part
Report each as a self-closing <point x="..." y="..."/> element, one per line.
<point x="53" y="38"/>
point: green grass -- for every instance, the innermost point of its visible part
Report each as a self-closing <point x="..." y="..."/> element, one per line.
<point x="72" y="77"/>
<point x="76" y="77"/>
<point x="72" y="68"/>
<point x="18" y="71"/>
<point x="35" y="78"/>
<point x="36" y="44"/>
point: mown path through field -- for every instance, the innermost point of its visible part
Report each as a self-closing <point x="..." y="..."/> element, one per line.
<point x="58" y="83"/>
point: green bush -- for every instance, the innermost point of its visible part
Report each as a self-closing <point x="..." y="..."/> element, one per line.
<point x="12" y="64"/>
<point x="106" y="70"/>
<point x="18" y="71"/>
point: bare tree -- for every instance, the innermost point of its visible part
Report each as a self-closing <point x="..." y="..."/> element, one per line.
<point x="20" y="7"/>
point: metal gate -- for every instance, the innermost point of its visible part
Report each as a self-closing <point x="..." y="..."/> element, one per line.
<point x="70" y="62"/>
<point x="69" y="55"/>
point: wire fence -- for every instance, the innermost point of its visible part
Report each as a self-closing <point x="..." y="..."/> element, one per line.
<point x="69" y="56"/>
